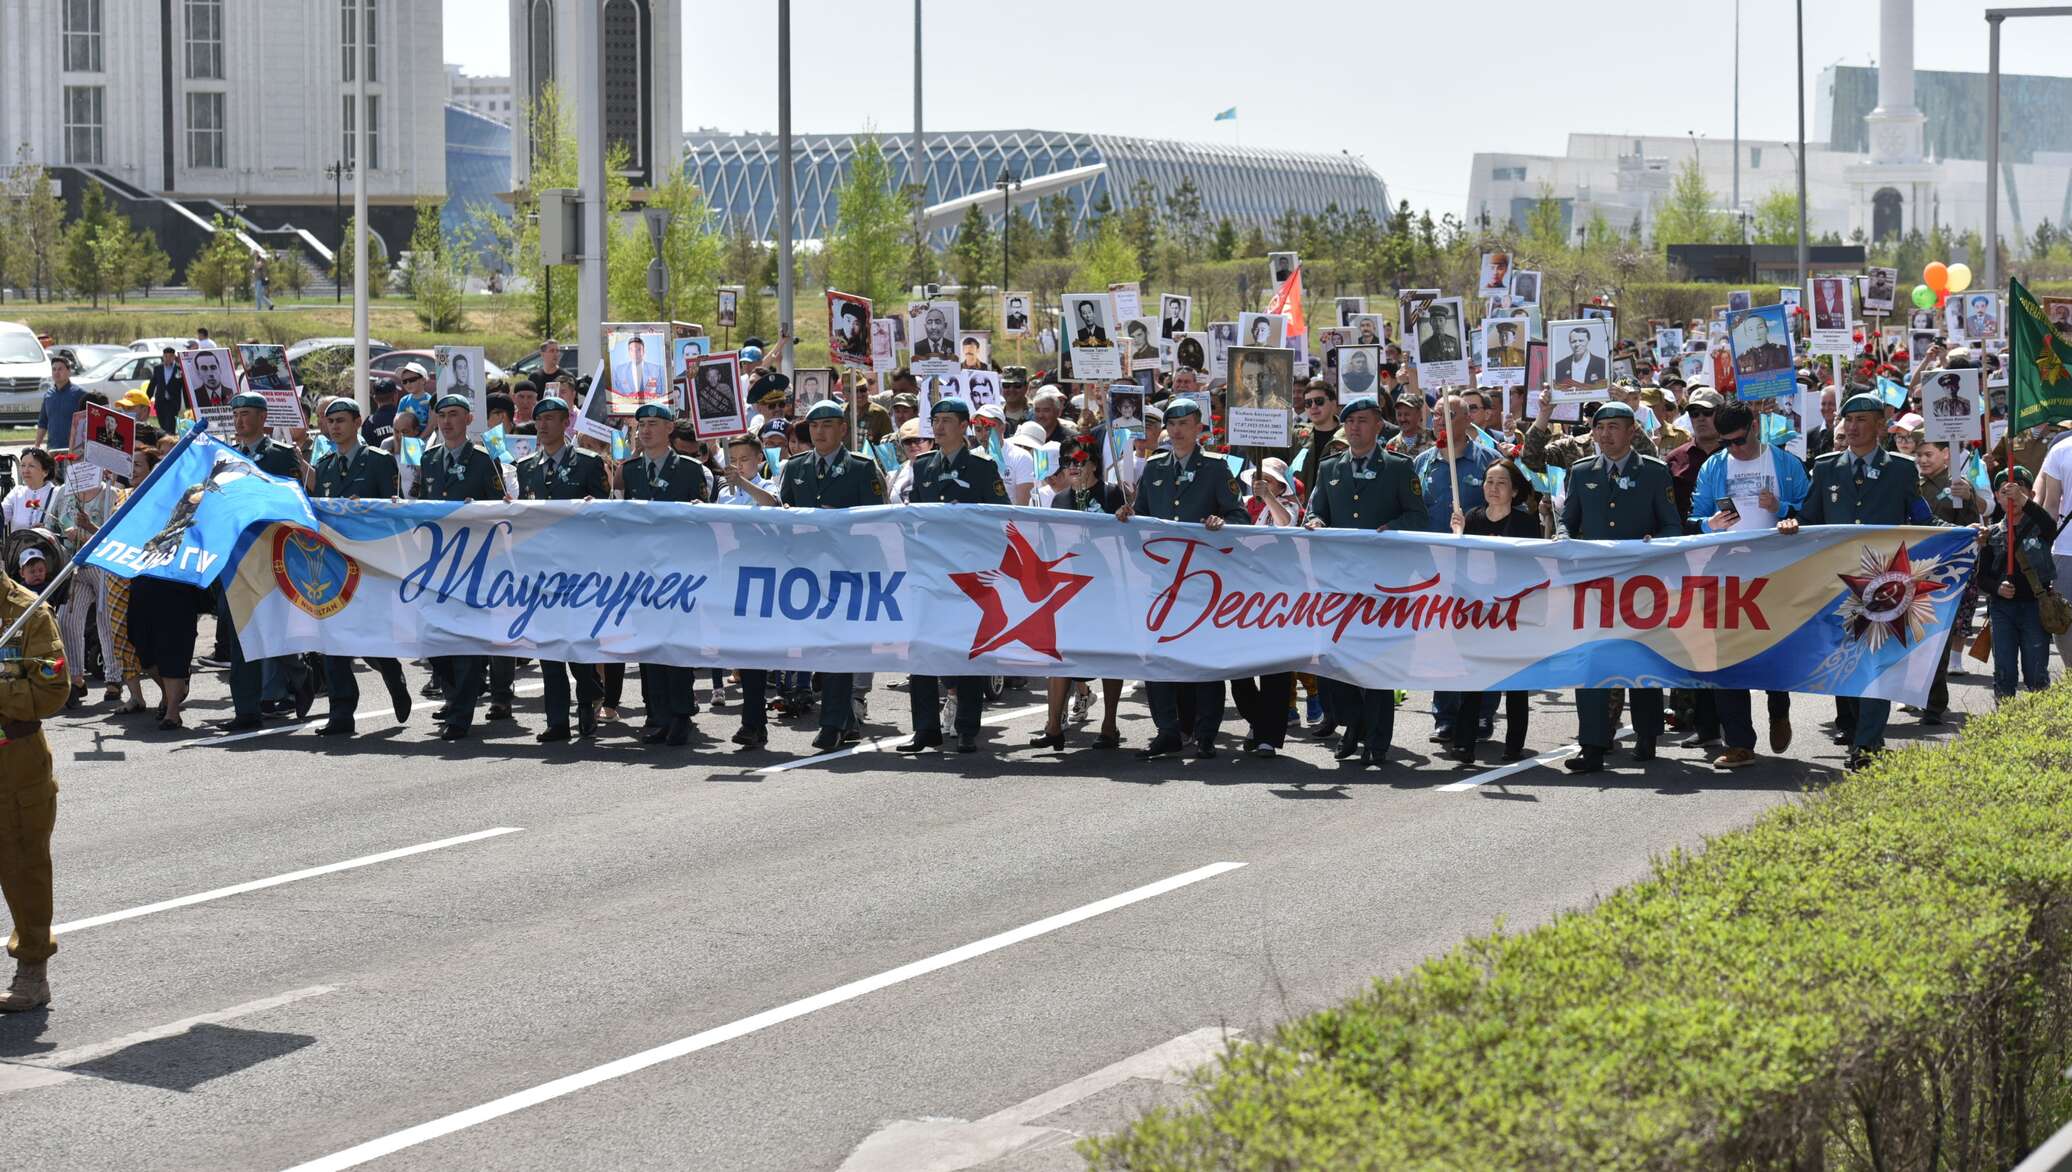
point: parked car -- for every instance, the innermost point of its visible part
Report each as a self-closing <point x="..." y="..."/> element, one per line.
<point x="311" y="345"/>
<point x="155" y="345"/>
<point x="394" y="360"/>
<point x="84" y="356"/>
<point x="24" y="372"/>
<point x="118" y="375"/>
<point x="529" y="365"/>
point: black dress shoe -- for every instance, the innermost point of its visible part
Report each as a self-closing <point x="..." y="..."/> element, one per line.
<point x="653" y="734"/>
<point x="1159" y="747"/>
<point x="1346" y="751"/>
<point x="1842" y="736"/>
<point x="919" y="741"/>
<point x="967" y="743"/>
<point x="1932" y="716"/>
<point x="551" y="735"/>
<point x="242" y="724"/>
<point x="1201" y="750"/>
<point x="498" y="712"/>
<point x="454" y="732"/>
<point x="336" y="728"/>
<point x="749" y="742"/>
<point x="1587" y="761"/>
<point x="586" y="721"/>
<point x="1375" y="759"/>
<point x="1054" y="741"/>
<point x="399" y="699"/>
<point x="1644" y="751"/>
<point x="852" y="735"/>
<point x="679" y="732"/>
<point x="827" y="738"/>
<point x="1323" y="731"/>
<point x="305" y="695"/>
<point x="430" y="691"/>
<point x="1518" y="754"/>
<point x="1461" y="756"/>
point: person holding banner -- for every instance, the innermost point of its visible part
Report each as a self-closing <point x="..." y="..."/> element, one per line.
<point x="1085" y="491"/>
<point x="1954" y="501"/>
<point x="1617" y="495"/>
<point x="249" y="681"/>
<point x="2014" y="569"/>
<point x="827" y="477"/>
<point x="951" y="474"/>
<point x="1510" y="508"/>
<point x="353" y="471"/>
<point x="1186" y="484"/>
<point x="458" y="470"/>
<point x="32" y="689"/>
<point x="560" y="471"/>
<point x="1370" y="489"/>
<point x="1862" y="484"/>
<point x="668" y="694"/>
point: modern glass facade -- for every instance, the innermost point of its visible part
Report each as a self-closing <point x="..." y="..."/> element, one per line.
<point x="1247" y="185"/>
<point x="478" y="167"/>
<point x="2032" y="112"/>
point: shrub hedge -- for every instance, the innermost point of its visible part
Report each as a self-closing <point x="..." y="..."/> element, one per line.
<point x="1878" y="976"/>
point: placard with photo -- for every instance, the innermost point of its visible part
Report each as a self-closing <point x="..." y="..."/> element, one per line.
<point x="1090" y="331"/>
<point x="637" y="375"/>
<point x="1280" y="266"/>
<point x="1359" y="371"/>
<point x="1349" y="308"/>
<point x="1502" y="352"/>
<point x="1832" y="328"/>
<point x="111" y="439"/>
<point x="1525" y="287"/>
<point x="933" y="327"/>
<point x="1580" y="350"/>
<point x="1950" y="410"/>
<point x="811" y="384"/>
<point x="1411" y="305"/>
<point x="884" y="344"/>
<point x="1191" y="352"/>
<point x="975" y="349"/>
<point x="1880" y="285"/>
<point x="982" y="387"/>
<point x="2058" y="311"/>
<point x="1175" y="314"/>
<point x="1014" y="314"/>
<point x="718" y="408"/>
<point x="1441" y="338"/>
<point x="1142" y="334"/>
<point x="1222" y="336"/>
<point x="729" y="304"/>
<point x="1125" y="407"/>
<point x="1788" y="296"/>
<point x="1739" y="300"/>
<point x="1668" y="344"/>
<point x="1261" y="396"/>
<point x="460" y="373"/>
<point x="849" y="330"/>
<point x="1127" y="299"/>
<point x="1980" y="312"/>
<point x="1761" y="339"/>
<point x="1368" y="330"/>
<point x="1262" y="329"/>
<point x="1495" y="274"/>
<point x="210" y="384"/>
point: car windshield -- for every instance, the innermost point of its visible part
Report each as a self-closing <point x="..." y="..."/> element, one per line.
<point x="20" y="348"/>
<point x="107" y="367"/>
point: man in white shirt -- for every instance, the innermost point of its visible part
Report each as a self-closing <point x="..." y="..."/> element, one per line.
<point x="2051" y="494"/>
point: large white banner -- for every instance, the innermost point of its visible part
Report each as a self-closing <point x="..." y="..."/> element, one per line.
<point x="956" y="590"/>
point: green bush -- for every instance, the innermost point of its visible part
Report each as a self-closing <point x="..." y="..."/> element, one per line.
<point x="1879" y="976"/>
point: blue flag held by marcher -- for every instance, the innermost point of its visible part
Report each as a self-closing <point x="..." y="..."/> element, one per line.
<point x="186" y="521"/>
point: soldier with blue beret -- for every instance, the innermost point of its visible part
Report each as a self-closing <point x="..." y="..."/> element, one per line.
<point x="352" y="470"/>
<point x="658" y="472"/>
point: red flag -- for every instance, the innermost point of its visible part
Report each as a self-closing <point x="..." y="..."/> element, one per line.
<point x="1288" y="300"/>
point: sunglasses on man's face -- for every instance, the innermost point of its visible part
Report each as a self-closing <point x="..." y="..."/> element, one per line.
<point x="1738" y="440"/>
<point x="1698" y="412"/>
<point x="412" y="378"/>
<point x="1317" y="402"/>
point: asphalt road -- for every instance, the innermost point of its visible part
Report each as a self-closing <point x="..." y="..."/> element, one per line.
<point x="652" y="958"/>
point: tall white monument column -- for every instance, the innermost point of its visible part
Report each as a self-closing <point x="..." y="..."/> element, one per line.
<point x="1892" y="190"/>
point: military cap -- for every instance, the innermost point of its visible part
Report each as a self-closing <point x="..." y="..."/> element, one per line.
<point x="1611" y="411"/>
<point x="550" y="403"/>
<point x="2021" y="474"/>
<point x="1359" y="403"/>
<point x="1181" y="409"/>
<point x="653" y="411"/>
<point x="825" y="409"/>
<point x="948" y="404"/>
<point x="341" y="403"/>
<point x="252" y="399"/>
<point x="1863" y="403"/>
<point x="461" y="401"/>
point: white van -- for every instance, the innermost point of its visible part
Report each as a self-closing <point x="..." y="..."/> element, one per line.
<point x="24" y="372"/>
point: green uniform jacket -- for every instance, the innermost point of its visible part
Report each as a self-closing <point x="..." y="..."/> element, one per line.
<point x="368" y="472"/>
<point x="278" y="459"/>
<point x="1889" y="493"/>
<point x="477" y="479"/>
<point x="851" y="482"/>
<point x="577" y="474"/>
<point x="681" y="479"/>
<point x="1604" y="507"/>
<point x="1171" y="489"/>
<point x="967" y="478"/>
<point x="1388" y="494"/>
<point x="33" y="687"/>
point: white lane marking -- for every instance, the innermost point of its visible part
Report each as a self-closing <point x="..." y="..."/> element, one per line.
<point x="1498" y="774"/>
<point x="376" y="715"/>
<point x="880" y="744"/>
<point x="20" y="1074"/>
<point x="1167" y="1062"/>
<point x="569" y="1084"/>
<point x="277" y="880"/>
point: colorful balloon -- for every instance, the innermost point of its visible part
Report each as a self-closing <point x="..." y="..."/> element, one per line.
<point x="1960" y="277"/>
<point x="1936" y="275"/>
<point x="1924" y="297"/>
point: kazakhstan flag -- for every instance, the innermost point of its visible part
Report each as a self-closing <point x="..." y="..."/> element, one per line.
<point x="1229" y="115"/>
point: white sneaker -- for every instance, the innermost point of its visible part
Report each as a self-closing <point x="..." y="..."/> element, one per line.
<point x="858" y="709"/>
<point x="1082" y="703"/>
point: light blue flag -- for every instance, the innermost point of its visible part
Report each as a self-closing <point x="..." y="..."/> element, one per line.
<point x="494" y="443"/>
<point x="1975" y="472"/>
<point x="888" y="455"/>
<point x="622" y="444"/>
<point x="1301" y="460"/>
<point x="1894" y="394"/>
<point x="1229" y="115"/>
<point x="1776" y="429"/>
<point x="189" y="519"/>
<point x="320" y="446"/>
<point x="1236" y="462"/>
<point x="774" y="459"/>
<point x="1549" y="482"/>
<point x="413" y="452"/>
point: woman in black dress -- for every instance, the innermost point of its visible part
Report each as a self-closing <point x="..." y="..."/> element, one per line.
<point x="1512" y="511"/>
<point x="1084" y="492"/>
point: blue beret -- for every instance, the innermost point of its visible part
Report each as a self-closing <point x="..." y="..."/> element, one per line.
<point x="550" y="403"/>
<point x="950" y="404"/>
<point x="341" y="403"/>
<point x="1181" y="409"/>
<point x="655" y="411"/>
<point x="248" y="399"/>
<point x="825" y="409"/>
<point x="1863" y="403"/>
<point x="1611" y="411"/>
<point x="1359" y="403"/>
<point x="461" y="401"/>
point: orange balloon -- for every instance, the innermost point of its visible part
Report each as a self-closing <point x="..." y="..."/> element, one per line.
<point x="1936" y="275"/>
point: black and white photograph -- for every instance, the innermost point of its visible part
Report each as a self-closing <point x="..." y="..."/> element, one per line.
<point x="460" y="373"/>
<point x="1502" y="352"/>
<point x="1739" y="300"/>
<point x="1411" y="305"/>
<point x="1919" y="343"/>
<point x="1349" y="308"/>
<point x="1368" y="330"/>
<point x="1880" y="286"/>
<point x="1280" y="265"/>
<point x="1831" y="332"/>
<point x="1262" y="329"/>
<point x="884" y="343"/>
<point x="729" y="304"/>
<point x="849" y="329"/>
<point x="1261" y="396"/>
<point x="1950" y="406"/>
<point x="933" y="327"/>
<point x="1191" y="352"/>
<point x="1359" y="370"/>
<point x="1603" y="313"/>
<point x="1092" y="334"/>
<point x="1525" y="287"/>
<point x="810" y="384"/>
<point x="981" y="387"/>
<point x="1174" y="313"/>
<point x="1328" y="342"/>
<point x="1014" y="315"/>
<point x="1142" y="333"/>
<point x="1441" y="345"/>
<point x="1923" y="319"/>
<point x="1125" y="407"/>
<point x="716" y="403"/>
<point x="1580" y="350"/>
<point x="975" y="349"/>
<point x="266" y="369"/>
<point x="1222" y="336"/>
<point x="1669" y="342"/>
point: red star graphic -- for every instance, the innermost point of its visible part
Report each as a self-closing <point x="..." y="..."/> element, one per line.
<point x="1027" y="615"/>
<point x="1884" y="596"/>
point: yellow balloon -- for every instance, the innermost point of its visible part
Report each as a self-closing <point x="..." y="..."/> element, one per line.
<point x="1960" y="277"/>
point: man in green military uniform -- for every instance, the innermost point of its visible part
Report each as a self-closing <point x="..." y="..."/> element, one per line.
<point x="458" y="470"/>
<point x="1617" y="495"/>
<point x="352" y="470"/>
<point x="248" y="682"/>
<point x="828" y="477"/>
<point x="660" y="473"/>
<point x="32" y="687"/>
<point x="1366" y="488"/>
<point x="1860" y="483"/>
<point x="559" y="471"/>
<point x="1186" y="484"/>
<point x="951" y="474"/>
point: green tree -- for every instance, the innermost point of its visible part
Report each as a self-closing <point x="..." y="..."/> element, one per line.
<point x="1105" y="257"/>
<point x="1186" y="220"/>
<point x="1140" y="221"/>
<point x="867" y="249"/>
<point x="342" y="268"/>
<point x="285" y="269"/>
<point x="434" y="278"/>
<point x="1544" y="234"/>
<point x="90" y="263"/>
<point x="36" y="219"/>
<point x="1223" y="245"/>
<point x="970" y="257"/>
<point x="1691" y="214"/>
<point x="1777" y="217"/>
<point x="223" y="267"/>
<point x="149" y="266"/>
<point x="1057" y="225"/>
<point x="745" y="261"/>
<point x="692" y="248"/>
<point x="1022" y="243"/>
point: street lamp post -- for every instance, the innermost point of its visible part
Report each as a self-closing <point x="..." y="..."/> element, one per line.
<point x="337" y="173"/>
<point x="1799" y="86"/>
<point x="1007" y="183"/>
<point x="1993" y="18"/>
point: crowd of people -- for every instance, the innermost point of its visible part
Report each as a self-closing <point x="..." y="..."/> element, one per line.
<point x="1397" y="455"/>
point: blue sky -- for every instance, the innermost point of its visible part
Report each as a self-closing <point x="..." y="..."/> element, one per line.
<point x="1416" y="90"/>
